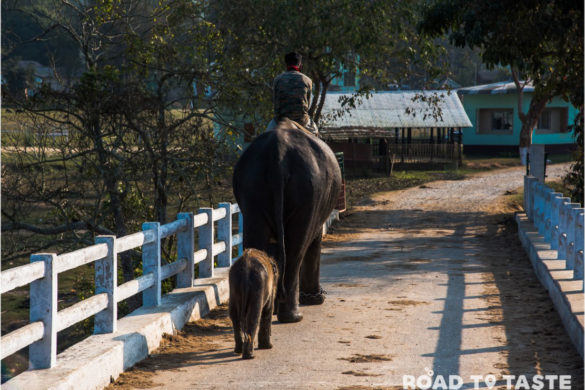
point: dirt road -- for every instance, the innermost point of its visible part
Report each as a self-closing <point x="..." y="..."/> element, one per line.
<point x="432" y="278"/>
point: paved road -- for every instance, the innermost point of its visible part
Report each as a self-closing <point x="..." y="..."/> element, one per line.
<point x="427" y="279"/>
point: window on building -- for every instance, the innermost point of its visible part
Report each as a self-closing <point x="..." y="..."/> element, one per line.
<point x="495" y="121"/>
<point x="349" y="79"/>
<point x="553" y="120"/>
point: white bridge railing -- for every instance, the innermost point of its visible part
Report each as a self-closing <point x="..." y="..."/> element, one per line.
<point x="45" y="320"/>
<point x="558" y="220"/>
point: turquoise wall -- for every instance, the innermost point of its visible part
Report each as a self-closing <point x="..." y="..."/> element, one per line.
<point x="472" y="103"/>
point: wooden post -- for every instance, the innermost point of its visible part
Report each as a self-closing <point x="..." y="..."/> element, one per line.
<point x="106" y="281"/>
<point x="402" y="152"/>
<point x="43" y="307"/>
<point x="206" y="236"/>
<point x="224" y="233"/>
<point x="151" y="259"/>
<point x="460" y="146"/>
<point x="185" y="250"/>
<point x="432" y="143"/>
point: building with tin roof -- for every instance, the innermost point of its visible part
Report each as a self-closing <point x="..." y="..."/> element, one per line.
<point x="395" y="127"/>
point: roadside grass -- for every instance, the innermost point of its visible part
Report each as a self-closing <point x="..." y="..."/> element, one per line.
<point x="483" y="163"/>
<point x="516" y="200"/>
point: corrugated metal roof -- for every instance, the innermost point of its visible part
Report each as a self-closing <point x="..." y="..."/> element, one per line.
<point x="396" y="109"/>
<point x="503" y="87"/>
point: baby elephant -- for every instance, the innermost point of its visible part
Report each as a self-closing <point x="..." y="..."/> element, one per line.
<point x="253" y="282"/>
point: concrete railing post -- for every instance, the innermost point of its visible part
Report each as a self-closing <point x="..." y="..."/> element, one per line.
<point x="106" y="281"/>
<point x="186" y="250"/>
<point x="572" y="231"/>
<point x="545" y="208"/>
<point x="556" y="223"/>
<point x="537" y="207"/>
<point x="224" y="233"/>
<point x="151" y="259"/>
<point x="241" y="231"/>
<point x="206" y="236"/>
<point x="551" y="214"/>
<point x="526" y="195"/>
<point x="43" y="307"/>
<point x="529" y="196"/>
<point x="579" y="233"/>
<point x="566" y="230"/>
<point x="579" y="267"/>
<point x="537" y="162"/>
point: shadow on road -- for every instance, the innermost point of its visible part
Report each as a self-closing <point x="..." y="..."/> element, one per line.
<point x="494" y="271"/>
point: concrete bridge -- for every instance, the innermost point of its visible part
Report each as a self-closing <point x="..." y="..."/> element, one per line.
<point x="427" y="279"/>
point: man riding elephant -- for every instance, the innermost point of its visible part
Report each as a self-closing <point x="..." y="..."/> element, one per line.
<point x="291" y="95"/>
<point x="286" y="184"/>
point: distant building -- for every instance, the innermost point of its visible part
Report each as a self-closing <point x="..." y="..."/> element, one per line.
<point x="395" y="127"/>
<point x="349" y="80"/>
<point x="493" y="111"/>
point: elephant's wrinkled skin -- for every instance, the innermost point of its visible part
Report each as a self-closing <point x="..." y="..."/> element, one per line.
<point x="287" y="183"/>
<point x="253" y="279"/>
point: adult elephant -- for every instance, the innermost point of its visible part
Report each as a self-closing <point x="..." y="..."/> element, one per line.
<point x="286" y="184"/>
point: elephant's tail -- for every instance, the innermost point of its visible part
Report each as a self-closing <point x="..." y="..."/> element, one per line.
<point x="279" y="221"/>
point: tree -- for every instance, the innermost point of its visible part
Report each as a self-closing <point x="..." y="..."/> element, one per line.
<point x="540" y="40"/>
<point x="377" y="37"/>
<point x="138" y="138"/>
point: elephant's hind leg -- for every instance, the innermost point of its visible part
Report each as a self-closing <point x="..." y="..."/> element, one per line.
<point x="235" y="317"/>
<point x="266" y="326"/>
<point x="250" y="328"/>
<point x="288" y="303"/>
<point x="310" y="289"/>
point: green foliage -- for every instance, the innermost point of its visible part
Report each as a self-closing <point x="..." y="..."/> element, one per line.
<point x="140" y="141"/>
<point x="378" y="37"/>
<point x="542" y="39"/>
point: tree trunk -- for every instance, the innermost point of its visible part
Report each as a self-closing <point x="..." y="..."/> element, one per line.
<point x="317" y="84"/>
<point x="317" y="115"/>
<point x="530" y="119"/>
<point x="529" y="123"/>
